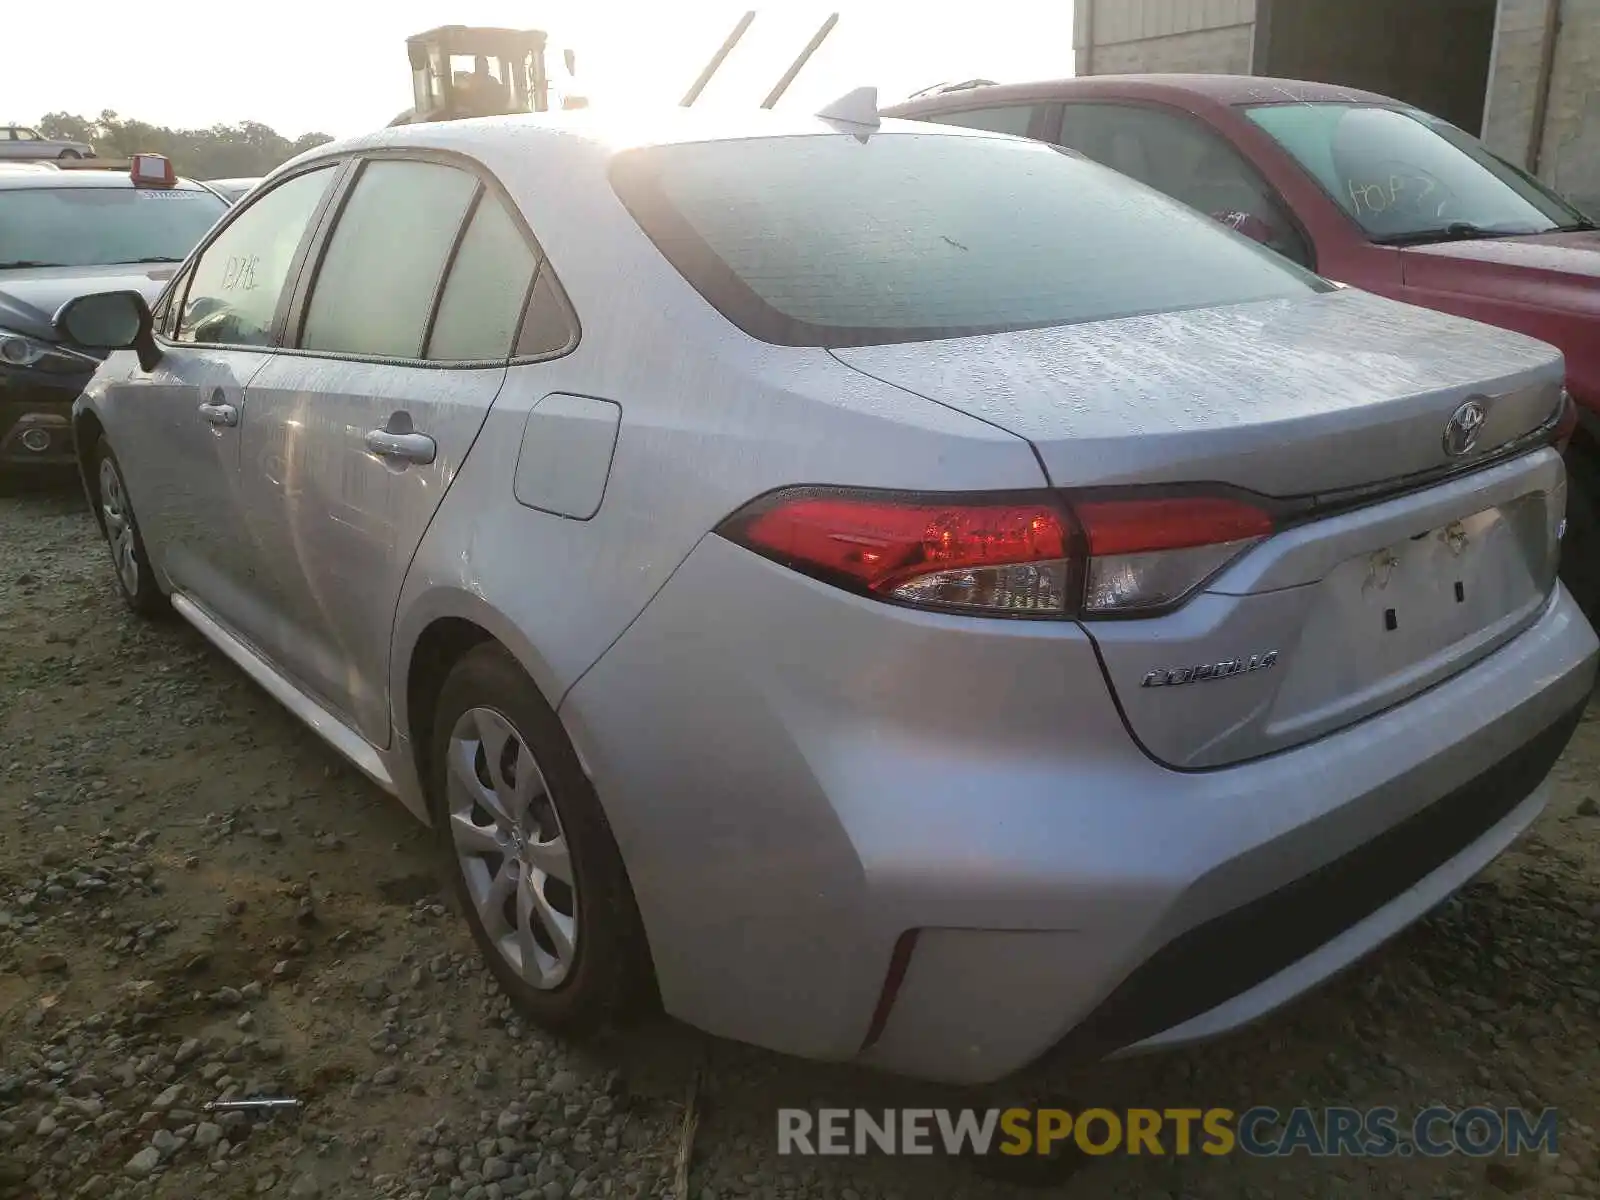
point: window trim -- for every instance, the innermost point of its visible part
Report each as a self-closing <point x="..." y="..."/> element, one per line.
<point x="488" y="184"/>
<point x="177" y="292"/>
<point x="1296" y="225"/>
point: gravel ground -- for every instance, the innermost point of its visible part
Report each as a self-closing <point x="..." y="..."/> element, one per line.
<point x="197" y="901"/>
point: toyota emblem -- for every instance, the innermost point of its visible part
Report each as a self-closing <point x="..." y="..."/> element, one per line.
<point x="1462" y="429"/>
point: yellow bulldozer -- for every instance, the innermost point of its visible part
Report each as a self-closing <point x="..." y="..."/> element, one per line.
<point x="476" y="71"/>
<point x="462" y="71"/>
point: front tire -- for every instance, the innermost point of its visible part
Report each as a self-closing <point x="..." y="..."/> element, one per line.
<point x="131" y="565"/>
<point x="530" y="855"/>
<point x="69" y="154"/>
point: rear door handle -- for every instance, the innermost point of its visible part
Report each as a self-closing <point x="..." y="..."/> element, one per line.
<point x="220" y="414"/>
<point x="403" y="447"/>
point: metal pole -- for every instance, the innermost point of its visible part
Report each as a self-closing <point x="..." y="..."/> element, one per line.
<point x="693" y="93"/>
<point x="805" y="56"/>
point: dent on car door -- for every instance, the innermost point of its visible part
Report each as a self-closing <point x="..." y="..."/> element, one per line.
<point x="176" y="428"/>
<point x="405" y="331"/>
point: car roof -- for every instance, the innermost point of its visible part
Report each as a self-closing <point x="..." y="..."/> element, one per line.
<point x="57" y="180"/>
<point x="1222" y="89"/>
<point x="597" y="134"/>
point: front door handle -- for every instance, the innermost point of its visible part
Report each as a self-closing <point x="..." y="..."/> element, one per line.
<point x="404" y="447"/>
<point x="220" y="414"/>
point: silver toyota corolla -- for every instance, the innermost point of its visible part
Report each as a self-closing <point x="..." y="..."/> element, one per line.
<point x="896" y="593"/>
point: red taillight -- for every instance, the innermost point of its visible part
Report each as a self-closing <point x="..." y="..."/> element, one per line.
<point x="1169" y="523"/>
<point x="948" y="553"/>
<point x="1027" y="554"/>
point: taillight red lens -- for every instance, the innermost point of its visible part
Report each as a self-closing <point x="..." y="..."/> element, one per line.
<point x="1136" y="526"/>
<point x="945" y="553"/>
<point x="1025" y="554"/>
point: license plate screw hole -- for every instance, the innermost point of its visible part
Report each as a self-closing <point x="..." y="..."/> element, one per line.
<point x="1390" y="621"/>
<point x="1461" y="593"/>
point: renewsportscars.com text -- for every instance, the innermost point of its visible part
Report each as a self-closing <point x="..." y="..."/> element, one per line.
<point x="1435" y="1132"/>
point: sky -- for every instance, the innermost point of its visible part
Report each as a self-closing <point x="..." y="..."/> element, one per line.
<point x="339" y="66"/>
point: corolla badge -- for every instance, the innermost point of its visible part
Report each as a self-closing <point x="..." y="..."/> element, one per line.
<point x="1226" y="669"/>
<point x="1462" y="429"/>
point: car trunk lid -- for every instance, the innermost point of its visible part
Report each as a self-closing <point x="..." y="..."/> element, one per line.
<point x="1398" y="565"/>
<point x="1283" y="397"/>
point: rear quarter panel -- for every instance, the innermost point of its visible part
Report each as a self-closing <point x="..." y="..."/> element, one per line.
<point x="710" y="419"/>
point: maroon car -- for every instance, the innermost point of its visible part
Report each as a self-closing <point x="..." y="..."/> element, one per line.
<point x="1362" y="189"/>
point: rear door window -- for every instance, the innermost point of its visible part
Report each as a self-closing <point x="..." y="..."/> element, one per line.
<point x="827" y="240"/>
<point x="386" y="258"/>
<point x="1182" y="157"/>
<point x="487" y="289"/>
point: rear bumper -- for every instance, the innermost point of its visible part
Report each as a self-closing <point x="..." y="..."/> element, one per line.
<point x="797" y="778"/>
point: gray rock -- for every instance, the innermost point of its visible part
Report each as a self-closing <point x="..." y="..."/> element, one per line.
<point x="142" y="1163"/>
<point x="165" y="1142"/>
<point x="386" y="1076"/>
<point x="306" y="1186"/>
<point x="207" y="1135"/>
<point x="562" y="1083"/>
<point x="554" y="1190"/>
<point x="168" y="1098"/>
<point x="496" y="1169"/>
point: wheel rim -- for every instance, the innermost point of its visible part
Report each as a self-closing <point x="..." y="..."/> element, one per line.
<point x="511" y="849"/>
<point x="119" y="526"/>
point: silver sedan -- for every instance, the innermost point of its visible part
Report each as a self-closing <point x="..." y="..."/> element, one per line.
<point x="19" y="141"/>
<point x="890" y="593"/>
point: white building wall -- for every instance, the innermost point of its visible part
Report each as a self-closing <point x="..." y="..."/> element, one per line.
<point x="1568" y="145"/>
<point x="1117" y="36"/>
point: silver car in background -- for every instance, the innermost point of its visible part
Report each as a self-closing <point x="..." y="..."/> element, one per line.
<point x="896" y="594"/>
<point x="19" y="141"/>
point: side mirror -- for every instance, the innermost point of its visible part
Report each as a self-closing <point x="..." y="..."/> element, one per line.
<point x="111" y="321"/>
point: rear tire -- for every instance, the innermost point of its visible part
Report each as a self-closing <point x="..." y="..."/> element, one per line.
<point x="130" y="564"/>
<point x="1580" y="547"/>
<point x="69" y="154"/>
<point x="513" y="813"/>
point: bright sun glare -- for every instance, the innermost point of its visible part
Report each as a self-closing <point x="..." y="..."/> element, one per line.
<point x="339" y="66"/>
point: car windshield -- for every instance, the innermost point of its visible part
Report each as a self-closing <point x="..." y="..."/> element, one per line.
<point x="833" y="240"/>
<point x="1405" y="176"/>
<point x="95" y="226"/>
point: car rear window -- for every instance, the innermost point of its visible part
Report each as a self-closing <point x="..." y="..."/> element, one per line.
<point x="827" y="240"/>
<point x="94" y="226"/>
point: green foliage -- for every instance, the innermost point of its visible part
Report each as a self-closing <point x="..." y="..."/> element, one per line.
<point x="245" y="150"/>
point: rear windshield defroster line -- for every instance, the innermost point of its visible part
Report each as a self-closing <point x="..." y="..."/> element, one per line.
<point x="825" y="240"/>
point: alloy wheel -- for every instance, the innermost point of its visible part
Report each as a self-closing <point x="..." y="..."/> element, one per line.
<point x="511" y="849"/>
<point x="119" y="526"/>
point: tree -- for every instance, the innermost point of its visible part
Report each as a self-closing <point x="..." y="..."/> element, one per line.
<point x="248" y="149"/>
